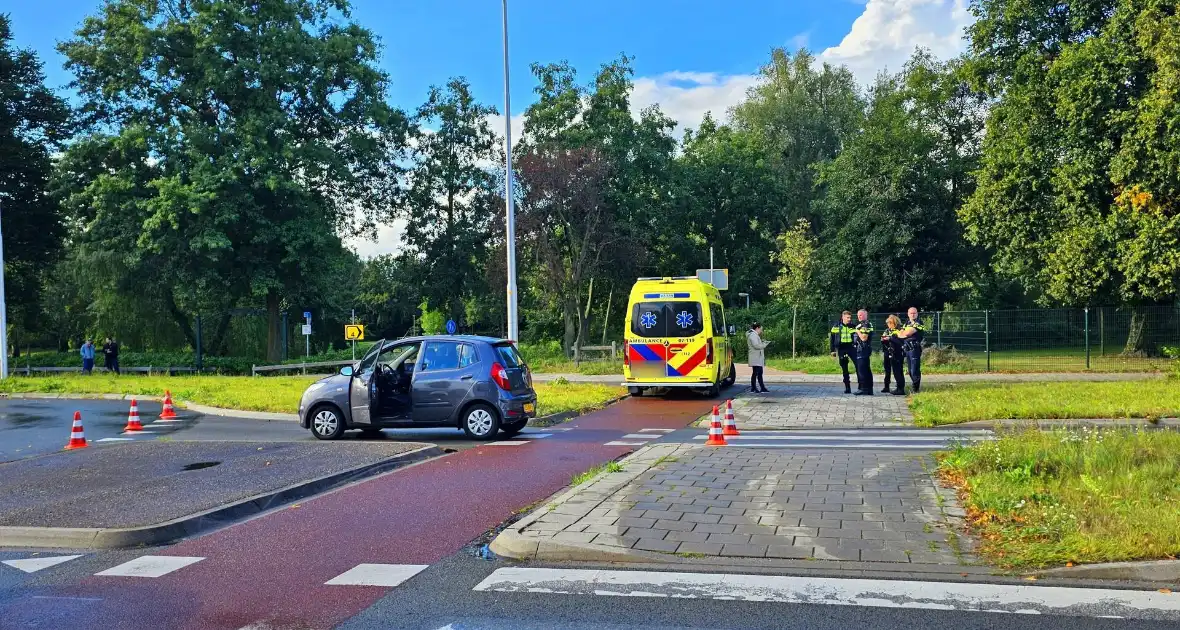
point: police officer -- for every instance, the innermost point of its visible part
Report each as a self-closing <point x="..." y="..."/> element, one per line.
<point x="891" y="349"/>
<point x="912" y="335"/>
<point x="862" y="349"/>
<point x="840" y="344"/>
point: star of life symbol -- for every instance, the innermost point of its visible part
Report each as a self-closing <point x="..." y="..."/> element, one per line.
<point x="648" y="320"/>
<point x="683" y="319"/>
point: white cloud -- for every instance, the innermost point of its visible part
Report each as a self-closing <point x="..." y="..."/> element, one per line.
<point x="885" y="35"/>
<point x="686" y="96"/>
<point x="389" y="240"/>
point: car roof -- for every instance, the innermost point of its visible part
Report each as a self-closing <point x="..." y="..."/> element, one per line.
<point x="468" y="338"/>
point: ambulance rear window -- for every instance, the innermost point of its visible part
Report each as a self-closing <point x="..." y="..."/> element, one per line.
<point x="666" y="319"/>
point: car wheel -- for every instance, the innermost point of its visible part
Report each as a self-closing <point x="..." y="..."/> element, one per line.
<point x="512" y="428"/>
<point x="326" y="423"/>
<point x="635" y="391"/>
<point x="713" y="390"/>
<point x="481" y="422"/>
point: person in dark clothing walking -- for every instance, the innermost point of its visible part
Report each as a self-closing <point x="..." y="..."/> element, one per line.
<point x="912" y="335"/>
<point x="840" y="345"/>
<point x="892" y="352"/>
<point x="862" y="348"/>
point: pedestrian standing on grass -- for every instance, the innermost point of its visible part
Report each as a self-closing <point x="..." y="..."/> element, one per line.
<point x="110" y="353"/>
<point x="87" y="353"/>
<point x="757" y="357"/>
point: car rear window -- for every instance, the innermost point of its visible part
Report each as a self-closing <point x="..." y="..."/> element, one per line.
<point x="666" y="319"/>
<point x="508" y="355"/>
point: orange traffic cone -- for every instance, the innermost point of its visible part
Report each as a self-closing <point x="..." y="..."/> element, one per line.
<point x="716" y="438"/>
<point x="133" y="424"/>
<point x="77" y="436"/>
<point x="730" y="421"/>
<point x="168" y="413"/>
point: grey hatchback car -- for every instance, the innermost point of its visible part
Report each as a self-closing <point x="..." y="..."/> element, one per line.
<point x="478" y="384"/>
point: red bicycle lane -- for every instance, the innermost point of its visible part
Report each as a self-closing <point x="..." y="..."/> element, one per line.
<point x="270" y="572"/>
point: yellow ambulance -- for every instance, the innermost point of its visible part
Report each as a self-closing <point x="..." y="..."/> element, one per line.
<point x="677" y="337"/>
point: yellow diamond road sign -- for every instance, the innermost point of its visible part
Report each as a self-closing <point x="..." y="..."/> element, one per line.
<point x="354" y="332"/>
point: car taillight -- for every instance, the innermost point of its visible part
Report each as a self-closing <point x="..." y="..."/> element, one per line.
<point x="709" y="351"/>
<point x="500" y="375"/>
<point x="626" y="354"/>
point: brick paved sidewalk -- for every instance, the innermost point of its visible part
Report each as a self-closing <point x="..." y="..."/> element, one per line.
<point x="818" y="407"/>
<point x="754" y="503"/>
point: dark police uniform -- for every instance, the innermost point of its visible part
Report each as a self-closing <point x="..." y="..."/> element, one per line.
<point x="912" y="346"/>
<point x="894" y="357"/>
<point x="863" y="353"/>
<point x="840" y="342"/>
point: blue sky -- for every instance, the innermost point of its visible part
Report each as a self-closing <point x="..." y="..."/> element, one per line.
<point x="691" y="56"/>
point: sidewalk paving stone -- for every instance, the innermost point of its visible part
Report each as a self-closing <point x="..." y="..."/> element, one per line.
<point x="818" y="407"/>
<point x="801" y="505"/>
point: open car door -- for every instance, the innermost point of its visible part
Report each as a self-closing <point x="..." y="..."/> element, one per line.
<point x="362" y="387"/>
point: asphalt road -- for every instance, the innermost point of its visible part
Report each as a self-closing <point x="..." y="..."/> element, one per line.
<point x="35" y="427"/>
<point x="270" y="572"/>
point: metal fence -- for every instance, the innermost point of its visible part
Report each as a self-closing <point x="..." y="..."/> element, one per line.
<point x="1100" y="339"/>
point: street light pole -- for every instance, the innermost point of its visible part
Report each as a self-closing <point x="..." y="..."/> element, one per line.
<point x="513" y="321"/>
<point x="3" y="307"/>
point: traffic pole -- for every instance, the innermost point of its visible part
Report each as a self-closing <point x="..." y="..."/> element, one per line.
<point x="513" y="323"/>
<point x="3" y="307"/>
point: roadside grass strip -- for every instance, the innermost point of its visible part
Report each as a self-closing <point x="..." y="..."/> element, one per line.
<point x="272" y="393"/>
<point x="582" y="478"/>
<point x="965" y="402"/>
<point x="1070" y="496"/>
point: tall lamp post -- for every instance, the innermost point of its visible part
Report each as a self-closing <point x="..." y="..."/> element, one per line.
<point x="513" y="320"/>
<point x="747" y="296"/>
<point x="3" y="308"/>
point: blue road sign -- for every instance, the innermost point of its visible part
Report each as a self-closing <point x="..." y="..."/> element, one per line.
<point x="307" y="315"/>
<point x="451" y="327"/>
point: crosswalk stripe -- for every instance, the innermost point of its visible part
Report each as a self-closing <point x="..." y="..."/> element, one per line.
<point x="32" y="565"/>
<point x="506" y="443"/>
<point x="621" y="443"/>
<point x="999" y="598"/>
<point x="840" y="445"/>
<point x="656" y="430"/>
<point x="118" y="439"/>
<point x="640" y="436"/>
<point x="150" y="566"/>
<point x="844" y="438"/>
<point x="388" y="575"/>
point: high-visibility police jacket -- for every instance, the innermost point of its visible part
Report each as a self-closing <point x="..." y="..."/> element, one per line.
<point x="890" y="342"/>
<point x="840" y="337"/>
<point x="917" y="330"/>
<point x="863" y="348"/>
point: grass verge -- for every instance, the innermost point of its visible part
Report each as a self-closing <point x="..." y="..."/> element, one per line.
<point x="581" y="478"/>
<point x="1050" y="498"/>
<point x="271" y="393"/>
<point x="964" y="402"/>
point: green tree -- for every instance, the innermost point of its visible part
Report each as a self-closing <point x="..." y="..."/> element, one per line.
<point x="452" y="196"/>
<point x="1079" y="179"/>
<point x="33" y="122"/>
<point x="727" y="198"/>
<point x="890" y="236"/>
<point x="803" y="116"/>
<point x="795" y="257"/>
<point x="243" y="137"/>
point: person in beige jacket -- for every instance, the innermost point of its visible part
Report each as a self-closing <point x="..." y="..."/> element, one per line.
<point x="757" y="357"/>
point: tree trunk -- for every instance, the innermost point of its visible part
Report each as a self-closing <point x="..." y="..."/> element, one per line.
<point x="794" y="317"/>
<point x="181" y="318"/>
<point x="1135" y="336"/>
<point x="274" y="333"/>
<point x="216" y="345"/>
<point x="570" y="317"/>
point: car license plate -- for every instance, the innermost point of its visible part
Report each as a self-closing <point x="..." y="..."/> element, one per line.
<point x="529" y="407"/>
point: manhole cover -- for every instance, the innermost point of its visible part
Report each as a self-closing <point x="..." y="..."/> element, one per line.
<point x="200" y="465"/>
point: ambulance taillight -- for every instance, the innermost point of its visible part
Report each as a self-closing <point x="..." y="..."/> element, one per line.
<point x="626" y="354"/>
<point x="709" y="351"/>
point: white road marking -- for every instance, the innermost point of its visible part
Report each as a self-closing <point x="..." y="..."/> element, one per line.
<point x="1005" y="598"/>
<point x="656" y="430"/>
<point x="32" y="565"/>
<point x="618" y="443"/>
<point x="116" y="440"/>
<point x="150" y="566"/>
<point x="640" y="436"/>
<point x="838" y="438"/>
<point x="377" y="575"/>
<point x="507" y="443"/>
<point x="535" y="436"/>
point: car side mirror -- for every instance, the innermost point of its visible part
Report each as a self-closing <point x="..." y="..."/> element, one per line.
<point x="732" y="329"/>
<point x="346" y="370"/>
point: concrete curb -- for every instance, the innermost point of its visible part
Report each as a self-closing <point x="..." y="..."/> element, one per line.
<point x="1146" y="571"/>
<point x="514" y="543"/>
<point x="201" y="522"/>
